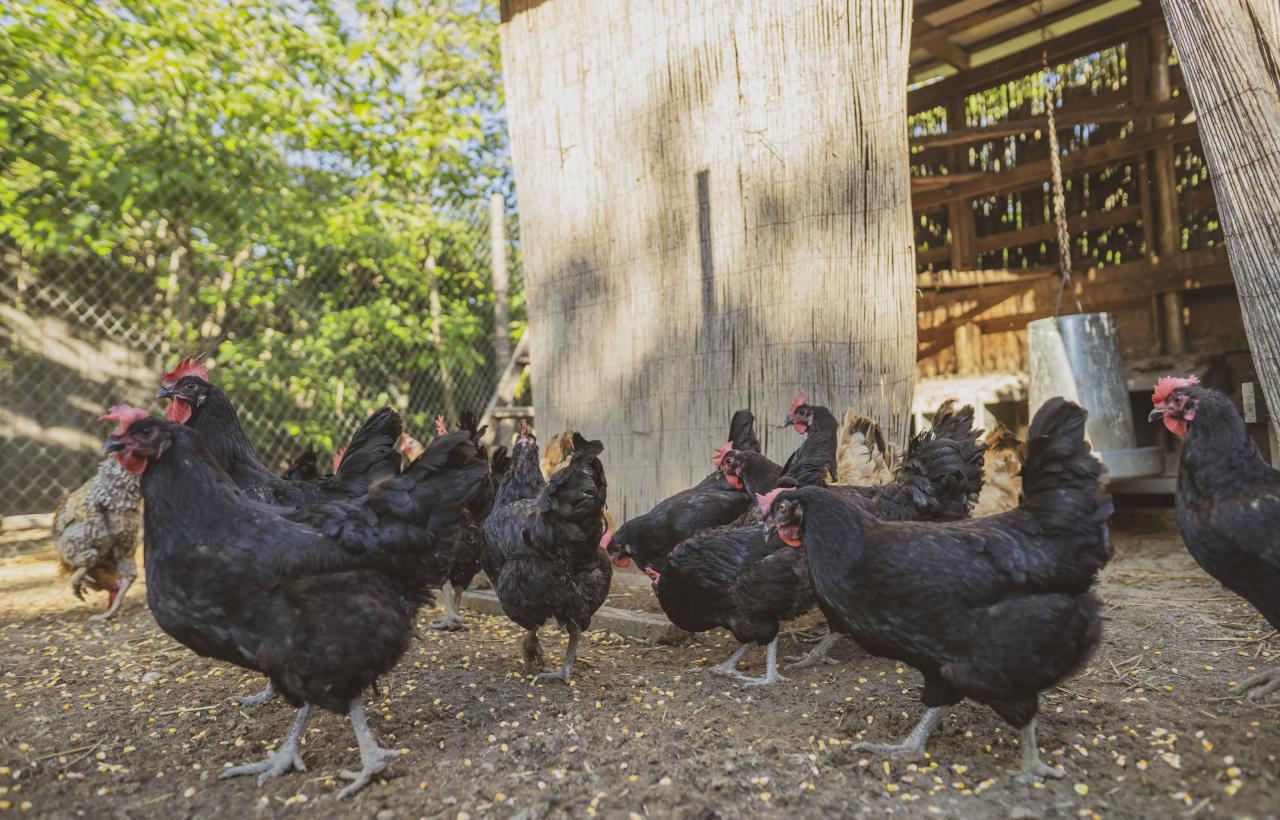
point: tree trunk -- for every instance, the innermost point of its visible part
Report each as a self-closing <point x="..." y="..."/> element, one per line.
<point x="715" y="210"/>
<point x="1228" y="52"/>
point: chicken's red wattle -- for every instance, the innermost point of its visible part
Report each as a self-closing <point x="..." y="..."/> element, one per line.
<point x="178" y="411"/>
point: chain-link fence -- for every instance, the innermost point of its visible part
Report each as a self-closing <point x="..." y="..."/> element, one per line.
<point x="305" y="340"/>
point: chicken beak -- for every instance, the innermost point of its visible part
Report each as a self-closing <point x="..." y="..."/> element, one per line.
<point x="166" y="392"/>
<point x="1155" y="415"/>
<point x="112" y="445"/>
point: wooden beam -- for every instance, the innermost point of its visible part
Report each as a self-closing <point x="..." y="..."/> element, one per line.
<point x="1083" y="41"/>
<point x="941" y="279"/>
<point x="1040" y="23"/>
<point x="967" y="21"/>
<point x="1105" y="107"/>
<point x="1037" y="172"/>
<point x="936" y="43"/>
<point x="1188" y="270"/>
<point x="1046" y="232"/>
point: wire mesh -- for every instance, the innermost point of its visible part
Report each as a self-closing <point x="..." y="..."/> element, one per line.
<point x="305" y="339"/>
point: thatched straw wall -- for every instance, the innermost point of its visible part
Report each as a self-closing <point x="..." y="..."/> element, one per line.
<point x="715" y="212"/>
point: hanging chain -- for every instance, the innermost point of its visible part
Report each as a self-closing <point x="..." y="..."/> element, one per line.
<point x="1059" y="197"/>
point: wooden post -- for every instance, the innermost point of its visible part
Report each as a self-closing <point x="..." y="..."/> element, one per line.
<point x="436" y="311"/>
<point x="964" y="230"/>
<point x="498" y="266"/>
<point x="715" y="211"/>
<point x="1168" y="228"/>
<point x="1229" y="53"/>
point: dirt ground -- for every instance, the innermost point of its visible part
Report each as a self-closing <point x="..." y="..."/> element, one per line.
<point x="119" y="721"/>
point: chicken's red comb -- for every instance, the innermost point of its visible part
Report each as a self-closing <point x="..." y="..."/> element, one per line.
<point x="721" y="452"/>
<point x="766" y="501"/>
<point x="124" y="416"/>
<point x="524" y="429"/>
<point x="1168" y="384"/>
<point x="605" y="539"/>
<point x="801" y="398"/>
<point x="337" y="458"/>
<point x="190" y="366"/>
<point x="442" y="429"/>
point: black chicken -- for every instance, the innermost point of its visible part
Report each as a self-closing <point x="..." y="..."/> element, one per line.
<point x="466" y="558"/>
<point x="745" y="580"/>
<point x="814" y="461"/>
<point x="322" y="600"/>
<point x="1228" y="500"/>
<point x="193" y="401"/>
<point x="996" y="609"/>
<point x="542" y="546"/>
<point x="709" y="503"/>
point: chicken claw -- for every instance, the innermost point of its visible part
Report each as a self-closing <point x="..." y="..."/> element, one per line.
<point x="262" y="697"/>
<point x="373" y="758"/>
<point x="1261" y="684"/>
<point x="451" y="621"/>
<point x="281" y="760"/>
<point x="565" y="672"/>
<point x="532" y="652"/>
<point x="913" y="745"/>
<point x="1033" y="768"/>
<point x="770" y="676"/>
<point x="816" y="655"/>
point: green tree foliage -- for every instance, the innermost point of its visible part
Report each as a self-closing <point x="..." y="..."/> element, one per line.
<point x="265" y="180"/>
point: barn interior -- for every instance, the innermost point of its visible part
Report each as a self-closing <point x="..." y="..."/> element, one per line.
<point x="1142" y="226"/>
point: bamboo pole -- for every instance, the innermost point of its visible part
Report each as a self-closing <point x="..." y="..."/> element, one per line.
<point x="1229" y="52"/>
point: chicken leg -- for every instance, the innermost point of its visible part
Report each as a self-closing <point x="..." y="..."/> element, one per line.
<point x="267" y="693"/>
<point x="730" y="664"/>
<point x="1033" y="768"/>
<point x="282" y="759"/>
<point x="566" y="670"/>
<point x="531" y="649"/>
<point x="373" y="758"/>
<point x="128" y="572"/>
<point x="1261" y="684"/>
<point x="913" y="745"/>
<point x="818" y="654"/>
<point x="452" y="619"/>
<point x="730" y="667"/>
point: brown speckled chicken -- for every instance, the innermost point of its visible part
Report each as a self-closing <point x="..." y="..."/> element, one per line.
<point x="96" y="527"/>
<point x="1001" y="473"/>
<point x="862" y="457"/>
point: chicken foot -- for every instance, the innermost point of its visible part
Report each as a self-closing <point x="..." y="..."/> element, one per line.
<point x="1261" y="684"/>
<point x="1033" y="768"/>
<point x="730" y="664"/>
<point x="452" y="619"/>
<point x="373" y="758"/>
<point x="913" y="745"/>
<point x="816" y="655"/>
<point x="282" y="759"/>
<point x="566" y="670"/>
<point x="262" y="697"/>
<point x="531" y="649"/>
<point x="127" y="575"/>
<point x="730" y="667"/>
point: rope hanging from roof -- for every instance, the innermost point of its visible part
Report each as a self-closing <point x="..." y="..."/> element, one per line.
<point x="1059" y="197"/>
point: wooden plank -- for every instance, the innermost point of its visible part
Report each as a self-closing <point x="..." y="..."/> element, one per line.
<point x="1083" y="41"/>
<point x="1036" y="172"/>
<point x="937" y="44"/>
<point x="1177" y="272"/>
<point x="934" y="280"/>
<point x="1102" y="108"/>
<point x="921" y="28"/>
<point x="1048" y="231"/>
